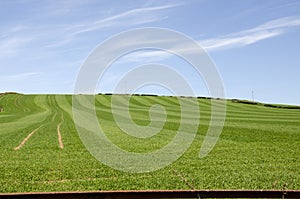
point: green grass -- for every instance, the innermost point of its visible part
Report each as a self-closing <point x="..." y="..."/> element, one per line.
<point x="259" y="147"/>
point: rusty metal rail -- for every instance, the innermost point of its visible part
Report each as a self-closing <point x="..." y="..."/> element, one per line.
<point x="158" y="194"/>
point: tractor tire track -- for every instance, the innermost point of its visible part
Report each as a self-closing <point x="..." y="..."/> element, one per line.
<point x="19" y="106"/>
<point x="51" y="103"/>
<point x="183" y="179"/>
<point x="16" y="102"/>
<point x="53" y="117"/>
<point x="60" y="142"/>
<point x="26" y="139"/>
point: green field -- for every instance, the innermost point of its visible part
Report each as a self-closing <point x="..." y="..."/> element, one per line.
<point x="259" y="147"/>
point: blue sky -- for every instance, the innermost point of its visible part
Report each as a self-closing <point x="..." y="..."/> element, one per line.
<point x="254" y="43"/>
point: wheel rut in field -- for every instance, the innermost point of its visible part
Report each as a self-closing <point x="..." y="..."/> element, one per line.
<point x="52" y="104"/>
<point x="53" y="117"/>
<point x="183" y="179"/>
<point x="17" y="102"/>
<point x="56" y="111"/>
<point x="60" y="142"/>
<point x="26" y="139"/>
<point x="18" y="105"/>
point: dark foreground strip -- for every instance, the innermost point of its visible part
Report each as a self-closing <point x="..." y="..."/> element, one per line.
<point x="159" y="194"/>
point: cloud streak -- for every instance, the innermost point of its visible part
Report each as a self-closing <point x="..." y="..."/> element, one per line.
<point x="149" y="56"/>
<point x="250" y="36"/>
<point x="20" y="76"/>
<point x="239" y="39"/>
<point x="128" y="18"/>
<point x="11" y="46"/>
<point x="234" y="41"/>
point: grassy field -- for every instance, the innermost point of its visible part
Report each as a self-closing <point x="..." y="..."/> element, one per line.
<point x="41" y="151"/>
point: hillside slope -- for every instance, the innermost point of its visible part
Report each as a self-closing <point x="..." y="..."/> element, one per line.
<point x="259" y="147"/>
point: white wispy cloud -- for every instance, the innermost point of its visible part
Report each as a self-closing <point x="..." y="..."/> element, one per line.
<point x="150" y="56"/>
<point x="12" y="45"/>
<point x="264" y="31"/>
<point x="20" y="76"/>
<point x="13" y="30"/>
<point x="128" y="18"/>
<point x="242" y="38"/>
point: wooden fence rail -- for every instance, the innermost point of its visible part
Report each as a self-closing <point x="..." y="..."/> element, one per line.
<point x="147" y="194"/>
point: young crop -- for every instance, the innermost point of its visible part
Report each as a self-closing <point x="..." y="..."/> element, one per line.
<point x="41" y="150"/>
